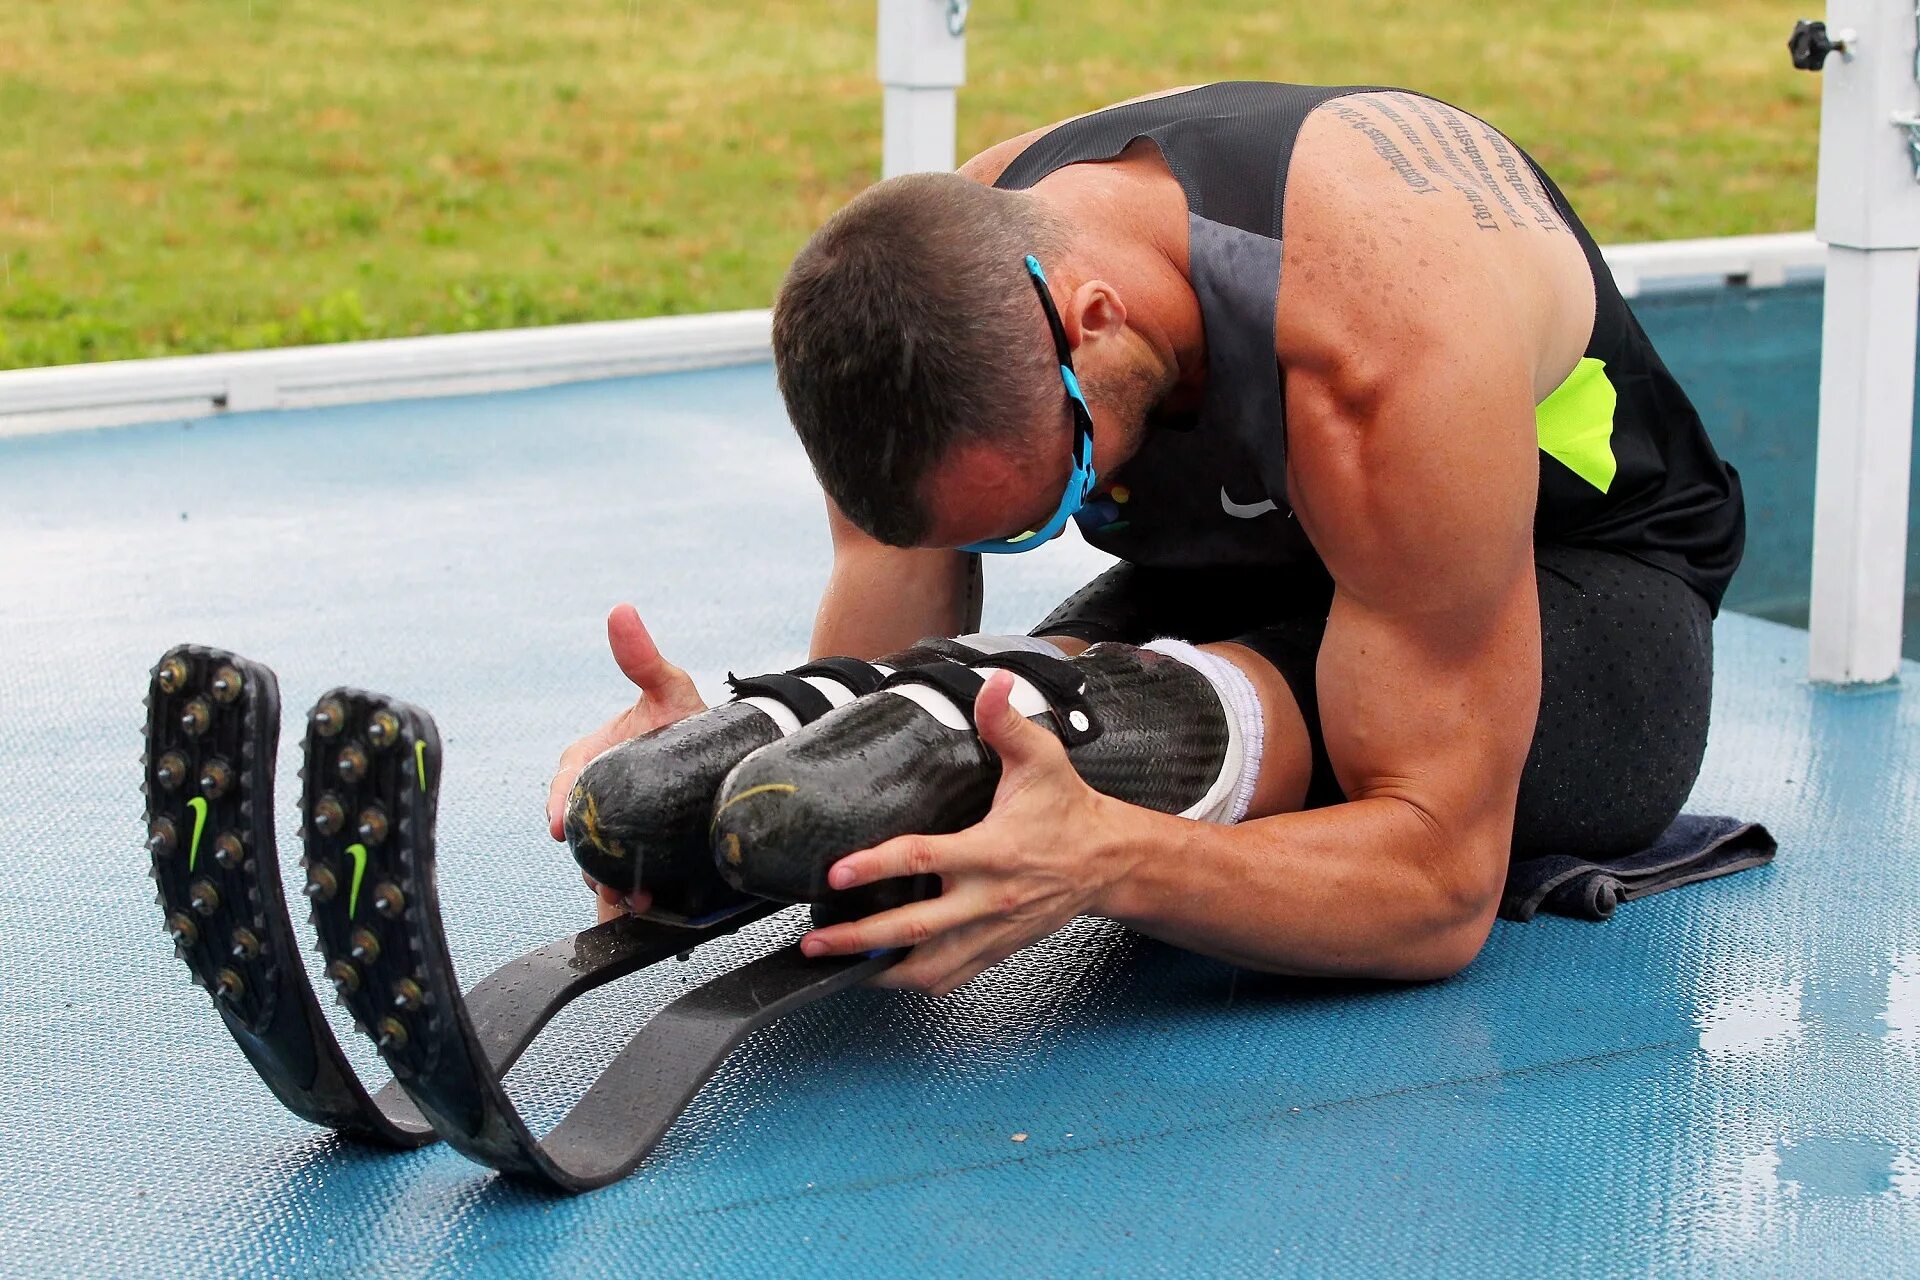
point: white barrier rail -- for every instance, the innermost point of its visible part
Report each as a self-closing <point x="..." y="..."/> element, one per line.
<point x="78" y="397"/>
<point x="1756" y="261"/>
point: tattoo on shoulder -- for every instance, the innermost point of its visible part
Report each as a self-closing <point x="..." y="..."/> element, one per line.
<point x="1432" y="147"/>
<point x="1392" y="154"/>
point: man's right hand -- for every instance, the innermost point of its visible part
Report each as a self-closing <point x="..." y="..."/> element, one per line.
<point x="666" y="694"/>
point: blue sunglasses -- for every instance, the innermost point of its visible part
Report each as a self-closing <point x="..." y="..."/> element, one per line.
<point x="1080" y="484"/>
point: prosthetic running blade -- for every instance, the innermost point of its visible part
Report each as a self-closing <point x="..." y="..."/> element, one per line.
<point x="368" y="807"/>
<point x="213" y="726"/>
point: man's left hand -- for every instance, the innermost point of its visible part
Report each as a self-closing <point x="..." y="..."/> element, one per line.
<point x="1045" y="853"/>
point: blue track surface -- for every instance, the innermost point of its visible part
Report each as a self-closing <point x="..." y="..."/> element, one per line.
<point x="1722" y="1080"/>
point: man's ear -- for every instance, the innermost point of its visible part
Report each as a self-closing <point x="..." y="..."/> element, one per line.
<point x="1094" y="311"/>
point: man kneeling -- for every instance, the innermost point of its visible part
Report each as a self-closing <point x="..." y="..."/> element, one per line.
<point x="1420" y="545"/>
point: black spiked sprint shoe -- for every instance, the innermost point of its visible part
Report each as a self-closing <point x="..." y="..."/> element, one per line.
<point x="1138" y="725"/>
<point x="213" y="726"/>
<point x="638" y="814"/>
<point x="372" y="773"/>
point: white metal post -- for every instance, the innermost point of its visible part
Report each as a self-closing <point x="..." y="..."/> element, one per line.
<point x="923" y="60"/>
<point x="1869" y="215"/>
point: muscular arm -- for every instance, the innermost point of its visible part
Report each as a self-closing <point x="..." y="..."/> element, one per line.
<point x="1428" y="683"/>
<point x="1415" y="346"/>
<point x="882" y="598"/>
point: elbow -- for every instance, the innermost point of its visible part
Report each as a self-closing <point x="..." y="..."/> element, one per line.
<point x="1458" y="892"/>
<point x="1445" y="951"/>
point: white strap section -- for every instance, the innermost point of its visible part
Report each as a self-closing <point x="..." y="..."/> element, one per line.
<point x="1025" y="699"/>
<point x="937" y="704"/>
<point x="1228" y="799"/>
<point x="838" y="694"/>
<point x="777" y="711"/>
<point x="782" y="715"/>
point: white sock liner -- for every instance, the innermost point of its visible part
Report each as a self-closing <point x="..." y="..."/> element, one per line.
<point x="1228" y="799"/>
<point x="1005" y="644"/>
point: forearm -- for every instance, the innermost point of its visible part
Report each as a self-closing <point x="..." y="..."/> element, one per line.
<point x="1368" y="888"/>
<point x="877" y="604"/>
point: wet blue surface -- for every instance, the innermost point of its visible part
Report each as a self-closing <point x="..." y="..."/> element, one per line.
<point x="1721" y="1081"/>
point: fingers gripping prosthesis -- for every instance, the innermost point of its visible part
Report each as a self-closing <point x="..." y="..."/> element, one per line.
<point x="637" y="816"/>
<point x="1144" y="725"/>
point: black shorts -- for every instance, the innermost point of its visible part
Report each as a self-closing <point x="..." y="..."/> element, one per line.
<point x="1626" y="679"/>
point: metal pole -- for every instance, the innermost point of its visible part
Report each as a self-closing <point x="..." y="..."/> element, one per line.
<point x="1869" y="215"/>
<point x="922" y="61"/>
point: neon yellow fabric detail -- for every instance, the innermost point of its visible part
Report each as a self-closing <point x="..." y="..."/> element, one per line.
<point x="1575" y="423"/>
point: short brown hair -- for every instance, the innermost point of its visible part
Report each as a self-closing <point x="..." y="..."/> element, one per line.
<point x="908" y="324"/>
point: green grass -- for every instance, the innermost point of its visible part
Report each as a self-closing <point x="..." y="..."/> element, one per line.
<point x="199" y="175"/>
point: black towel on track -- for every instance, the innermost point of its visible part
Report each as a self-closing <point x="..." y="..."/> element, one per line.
<point x="1695" y="847"/>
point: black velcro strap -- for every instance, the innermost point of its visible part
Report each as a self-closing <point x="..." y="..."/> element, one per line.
<point x="799" y="697"/>
<point x="1060" y="683"/>
<point x="961" y="684"/>
<point x="861" y="677"/>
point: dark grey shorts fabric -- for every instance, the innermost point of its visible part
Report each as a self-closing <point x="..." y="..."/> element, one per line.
<point x="1626" y="679"/>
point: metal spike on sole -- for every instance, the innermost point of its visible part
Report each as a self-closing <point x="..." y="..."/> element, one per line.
<point x="216" y="844"/>
<point x="380" y="930"/>
<point x="213" y="728"/>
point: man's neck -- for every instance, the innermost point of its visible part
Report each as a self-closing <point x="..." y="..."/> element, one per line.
<point x="1130" y="229"/>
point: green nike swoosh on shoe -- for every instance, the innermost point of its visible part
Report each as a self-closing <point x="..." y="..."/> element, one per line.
<point x="358" y="852"/>
<point x="199" y="806"/>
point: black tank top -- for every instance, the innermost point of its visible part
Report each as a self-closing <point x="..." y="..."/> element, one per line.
<point x="1625" y="463"/>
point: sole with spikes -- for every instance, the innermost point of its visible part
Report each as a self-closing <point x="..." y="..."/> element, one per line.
<point x="213" y="727"/>
<point x="368" y="806"/>
<point x="213" y="730"/>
